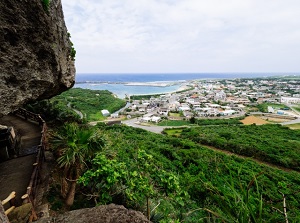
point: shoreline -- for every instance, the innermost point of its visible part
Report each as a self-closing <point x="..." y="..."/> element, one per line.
<point x="181" y="88"/>
<point x="151" y="84"/>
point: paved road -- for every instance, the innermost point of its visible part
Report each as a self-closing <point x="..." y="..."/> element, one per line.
<point x="291" y="122"/>
<point x="152" y="128"/>
<point x="75" y="110"/>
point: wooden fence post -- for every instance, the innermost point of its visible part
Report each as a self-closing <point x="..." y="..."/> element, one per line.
<point x="3" y="217"/>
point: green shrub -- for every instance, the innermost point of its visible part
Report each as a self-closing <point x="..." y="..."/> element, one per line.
<point x="46" y="5"/>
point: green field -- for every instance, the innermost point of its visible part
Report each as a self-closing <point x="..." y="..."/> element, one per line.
<point x="264" y="106"/>
<point x="174" y="123"/>
<point x="173" y="131"/>
<point x="171" y="114"/>
<point x="294" y="126"/>
<point x="297" y="108"/>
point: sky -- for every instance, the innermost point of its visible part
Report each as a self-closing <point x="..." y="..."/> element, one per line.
<point x="193" y="36"/>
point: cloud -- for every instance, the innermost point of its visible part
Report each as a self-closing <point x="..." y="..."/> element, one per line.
<point x="184" y="35"/>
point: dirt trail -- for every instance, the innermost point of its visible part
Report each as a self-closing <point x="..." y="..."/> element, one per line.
<point x="250" y="158"/>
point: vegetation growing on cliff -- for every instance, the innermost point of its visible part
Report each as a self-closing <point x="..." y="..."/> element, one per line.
<point x="46" y="5"/>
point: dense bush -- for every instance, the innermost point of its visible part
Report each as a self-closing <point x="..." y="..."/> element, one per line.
<point x="271" y="143"/>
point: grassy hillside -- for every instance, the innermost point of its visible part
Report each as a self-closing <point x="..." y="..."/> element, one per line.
<point x="185" y="182"/>
<point x="91" y="102"/>
<point x="88" y="102"/>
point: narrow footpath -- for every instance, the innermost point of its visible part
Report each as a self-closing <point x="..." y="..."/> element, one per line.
<point x="15" y="173"/>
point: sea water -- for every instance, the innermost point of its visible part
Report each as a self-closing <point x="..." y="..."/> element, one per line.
<point x="121" y="90"/>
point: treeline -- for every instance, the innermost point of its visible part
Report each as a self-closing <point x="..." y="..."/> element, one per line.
<point x="271" y="143"/>
<point x="231" y="121"/>
<point x="144" y="97"/>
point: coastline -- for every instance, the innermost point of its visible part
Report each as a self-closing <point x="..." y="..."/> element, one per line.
<point x="122" y="90"/>
<point x="152" y="83"/>
<point x="136" y="88"/>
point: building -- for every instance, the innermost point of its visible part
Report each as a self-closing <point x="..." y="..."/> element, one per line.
<point x="289" y="100"/>
<point x="105" y="112"/>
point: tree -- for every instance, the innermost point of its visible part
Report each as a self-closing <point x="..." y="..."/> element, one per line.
<point x="75" y="144"/>
<point x="193" y="120"/>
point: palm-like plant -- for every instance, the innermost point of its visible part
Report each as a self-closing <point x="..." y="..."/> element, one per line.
<point x="76" y="145"/>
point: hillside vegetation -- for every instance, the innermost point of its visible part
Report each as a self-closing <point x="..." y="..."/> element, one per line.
<point x="88" y="102"/>
<point x="271" y="143"/>
<point x="91" y="102"/>
<point x="183" y="181"/>
<point x="173" y="177"/>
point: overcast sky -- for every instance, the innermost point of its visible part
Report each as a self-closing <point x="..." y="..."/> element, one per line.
<point x="173" y="36"/>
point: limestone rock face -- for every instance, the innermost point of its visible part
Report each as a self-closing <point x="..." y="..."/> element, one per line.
<point x="35" y="50"/>
<point x="102" y="214"/>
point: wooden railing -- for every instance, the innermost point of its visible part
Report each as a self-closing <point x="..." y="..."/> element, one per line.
<point x="3" y="217"/>
<point x="31" y="193"/>
<point x="27" y="115"/>
<point x="9" y="199"/>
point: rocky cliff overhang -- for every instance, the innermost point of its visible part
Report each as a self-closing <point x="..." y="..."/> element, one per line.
<point x="35" y="51"/>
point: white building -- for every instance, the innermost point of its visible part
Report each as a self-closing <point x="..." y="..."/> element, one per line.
<point x="270" y="109"/>
<point x="114" y="115"/>
<point x="227" y="112"/>
<point x="290" y="100"/>
<point x="105" y="112"/>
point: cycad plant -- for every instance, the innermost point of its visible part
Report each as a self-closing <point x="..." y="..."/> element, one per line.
<point x="75" y="146"/>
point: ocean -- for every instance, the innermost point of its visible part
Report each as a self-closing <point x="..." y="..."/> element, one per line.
<point x="151" y="83"/>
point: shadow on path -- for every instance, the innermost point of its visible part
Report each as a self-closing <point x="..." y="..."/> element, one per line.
<point x="15" y="173"/>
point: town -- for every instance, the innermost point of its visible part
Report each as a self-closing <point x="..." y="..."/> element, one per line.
<point x="220" y="99"/>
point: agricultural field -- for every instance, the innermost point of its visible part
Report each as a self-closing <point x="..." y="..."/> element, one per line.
<point x="249" y="120"/>
<point x="271" y="143"/>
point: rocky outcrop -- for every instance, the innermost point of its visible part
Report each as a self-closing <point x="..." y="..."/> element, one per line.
<point x="101" y="214"/>
<point x="35" y="49"/>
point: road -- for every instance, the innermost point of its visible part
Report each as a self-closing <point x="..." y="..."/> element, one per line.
<point x="152" y="128"/>
<point x="75" y="110"/>
<point x="291" y="122"/>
